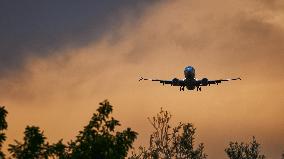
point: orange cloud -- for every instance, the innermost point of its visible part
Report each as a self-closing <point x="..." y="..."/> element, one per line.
<point x="220" y="38"/>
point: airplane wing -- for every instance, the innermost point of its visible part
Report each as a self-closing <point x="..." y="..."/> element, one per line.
<point x="205" y="82"/>
<point x="174" y="82"/>
<point x="222" y="80"/>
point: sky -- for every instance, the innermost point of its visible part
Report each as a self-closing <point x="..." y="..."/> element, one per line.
<point x="58" y="60"/>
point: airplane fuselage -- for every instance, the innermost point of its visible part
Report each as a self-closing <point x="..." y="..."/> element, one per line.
<point x="189" y="74"/>
<point x="190" y="83"/>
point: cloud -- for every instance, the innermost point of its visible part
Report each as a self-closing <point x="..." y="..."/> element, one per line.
<point x="41" y="28"/>
<point x="222" y="38"/>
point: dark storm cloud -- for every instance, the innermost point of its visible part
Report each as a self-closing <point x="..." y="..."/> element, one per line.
<point x="40" y="27"/>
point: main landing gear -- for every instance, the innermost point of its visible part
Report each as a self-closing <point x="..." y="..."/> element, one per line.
<point x="198" y="88"/>
<point x="181" y="88"/>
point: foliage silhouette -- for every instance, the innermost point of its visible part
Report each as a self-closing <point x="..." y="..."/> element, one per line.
<point x="3" y="126"/>
<point x="58" y="150"/>
<point x="98" y="139"/>
<point x="167" y="143"/>
<point x="244" y="151"/>
<point x="34" y="145"/>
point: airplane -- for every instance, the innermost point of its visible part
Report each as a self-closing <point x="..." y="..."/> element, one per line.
<point x="190" y="82"/>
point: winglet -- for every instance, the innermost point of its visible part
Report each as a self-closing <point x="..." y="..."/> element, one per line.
<point x="235" y="78"/>
<point x="141" y="78"/>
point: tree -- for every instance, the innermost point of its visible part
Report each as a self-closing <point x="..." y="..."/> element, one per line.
<point x="3" y="126"/>
<point x="167" y="143"/>
<point x="244" y="151"/>
<point x="57" y="150"/>
<point x="34" y="145"/>
<point x="98" y="140"/>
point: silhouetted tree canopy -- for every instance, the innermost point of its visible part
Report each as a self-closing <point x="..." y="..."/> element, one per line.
<point x="58" y="150"/>
<point x="244" y="150"/>
<point x="98" y="140"/>
<point x="33" y="147"/>
<point x="167" y="143"/>
<point x="3" y="126"/>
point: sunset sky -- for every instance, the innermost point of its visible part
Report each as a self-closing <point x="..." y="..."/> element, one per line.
<point x="59" y="59"/>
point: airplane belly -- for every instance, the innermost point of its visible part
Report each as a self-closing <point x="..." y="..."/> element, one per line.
<point x="190" y="84"/>
<point x="190" y="87"/>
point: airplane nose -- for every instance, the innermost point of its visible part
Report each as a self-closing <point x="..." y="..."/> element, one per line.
<point x="188" y="69"/>
<point x="189" y="72"/>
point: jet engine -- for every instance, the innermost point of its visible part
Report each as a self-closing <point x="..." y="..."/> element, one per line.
<point x="204" y="81"/>
<point x="175" y="82"/>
